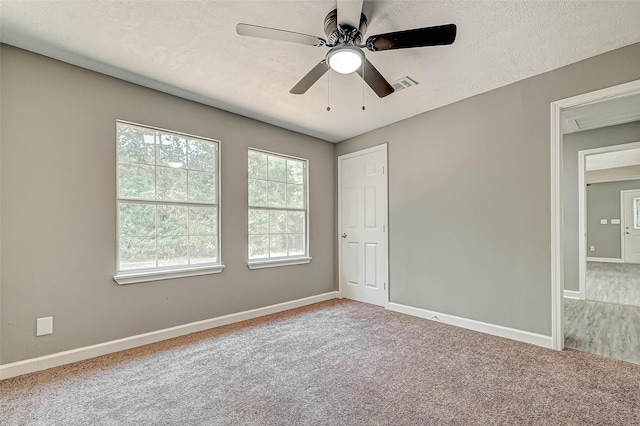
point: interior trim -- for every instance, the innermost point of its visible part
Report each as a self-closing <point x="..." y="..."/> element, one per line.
<point x="557" y="232"/>
<point x="259" y="264"/>
<point x="141" y="277"/>
<point x="79" y="354"/>
<point x="604" y="259"/>
<point x="482" y="327"/>
<point x="572" y="294"/>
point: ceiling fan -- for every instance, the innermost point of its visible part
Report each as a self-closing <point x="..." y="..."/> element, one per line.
<point x="345" y="27"/>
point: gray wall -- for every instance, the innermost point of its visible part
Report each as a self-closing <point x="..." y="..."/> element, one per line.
<point x="469" y="196"/>
<point x="59" y="216"/>
<point x="572" y="143"/>
<point x="603" y="202"/>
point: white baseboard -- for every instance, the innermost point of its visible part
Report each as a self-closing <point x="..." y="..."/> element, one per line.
<point x="483" y="327"/>
<point x="42" y="363"/>
<point x="572" y="294"/>
<point x="604" y="259"/>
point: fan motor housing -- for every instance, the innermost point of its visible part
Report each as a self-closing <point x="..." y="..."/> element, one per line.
<point x="345" y="34"/>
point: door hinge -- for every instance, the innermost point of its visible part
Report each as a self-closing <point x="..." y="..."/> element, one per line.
<point x="384" y="286"/>
<point x="384" y="228"/>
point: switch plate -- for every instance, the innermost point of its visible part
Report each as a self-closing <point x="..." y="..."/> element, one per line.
<point x="615" y="221"/>
<point x="603" y="221"/>
<point x="44" y="326"/>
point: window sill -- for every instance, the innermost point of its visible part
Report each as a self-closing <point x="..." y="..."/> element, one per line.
<point x="141" y="277"/>
<point x="259" y="264"/>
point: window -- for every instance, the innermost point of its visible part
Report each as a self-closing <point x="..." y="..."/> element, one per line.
<point x="278" y="210"/>
<point x="167" y="197"/>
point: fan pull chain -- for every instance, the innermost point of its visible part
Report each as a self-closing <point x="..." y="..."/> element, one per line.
<point x="363" y="86"/>
<point x="328" y="91"/>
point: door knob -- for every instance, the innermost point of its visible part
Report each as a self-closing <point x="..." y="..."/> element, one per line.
<point x="344" y="235"/>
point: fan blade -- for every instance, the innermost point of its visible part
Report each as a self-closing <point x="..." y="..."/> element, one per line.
<point x="310" y="79"/>
<point x="276" y="34"/>
<point x="375" y="80"/>
<point x="430" y="36"/>
<point x="349" y="12"/>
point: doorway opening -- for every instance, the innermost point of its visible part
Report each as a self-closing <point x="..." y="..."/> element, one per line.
<point x="564" y="270"/>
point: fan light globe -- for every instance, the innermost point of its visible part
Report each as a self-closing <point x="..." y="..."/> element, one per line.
<point x="345" y="59"/>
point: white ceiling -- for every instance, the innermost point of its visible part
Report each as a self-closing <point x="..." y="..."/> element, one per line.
<point x="621" y="110"/>
<point x="190" y="49"/>
<point x="613" y="159"/>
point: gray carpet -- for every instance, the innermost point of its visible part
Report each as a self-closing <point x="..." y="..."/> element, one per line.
<point x="334" y="363"/>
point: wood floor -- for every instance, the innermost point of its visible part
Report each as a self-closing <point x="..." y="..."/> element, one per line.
<point x="613" y="283"/>
<point x="608" y="322"/>
<point x="601" y="328"/>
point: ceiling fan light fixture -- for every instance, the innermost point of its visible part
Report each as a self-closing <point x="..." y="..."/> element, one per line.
<point x="345" y="59"/>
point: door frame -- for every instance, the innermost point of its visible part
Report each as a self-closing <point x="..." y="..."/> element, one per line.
<point x="557" y="231"/>
<point x="341" y="158"/>
<point x="622" y="221"/>
<point x="582" y="216"/>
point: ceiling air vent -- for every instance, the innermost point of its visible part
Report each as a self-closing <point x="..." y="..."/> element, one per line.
<point x="403" y="83"/>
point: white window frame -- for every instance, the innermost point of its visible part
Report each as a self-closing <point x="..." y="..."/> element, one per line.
<point x="165" y="273"/>
<point x="289" y="260"/>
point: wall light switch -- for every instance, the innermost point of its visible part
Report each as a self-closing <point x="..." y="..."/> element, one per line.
<point x="603" y="221"/>
<point x="44" y="326"/>
<point x="615" y="221"/>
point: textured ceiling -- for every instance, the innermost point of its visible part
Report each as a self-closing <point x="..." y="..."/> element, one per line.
<point x="190" y="48"/>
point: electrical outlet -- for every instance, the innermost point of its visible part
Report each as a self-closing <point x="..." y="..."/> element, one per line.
<point x="44" y="326"/>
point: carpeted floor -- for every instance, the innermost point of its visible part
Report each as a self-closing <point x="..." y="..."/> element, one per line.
<point x="334" y="363"/>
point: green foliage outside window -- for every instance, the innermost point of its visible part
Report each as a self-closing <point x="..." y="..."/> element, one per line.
<point x="277" y="206"/>
<point x="156" y="167"/>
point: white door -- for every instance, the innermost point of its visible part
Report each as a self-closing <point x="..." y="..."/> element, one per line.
<point x="631" y="226"/>
<point x="363" y="225"/>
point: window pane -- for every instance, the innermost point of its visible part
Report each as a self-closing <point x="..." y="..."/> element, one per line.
<point x="277" y="245"/>
<point x="203" y="220"/>
<point x="159" y="166"/>
<point x="171" y="184"/>
<point x="137" y="253"/>
<point x="295" y="223"/>
<point x="295" y="170"/>
<point x="172" y="220"/>
<point x="277" y="194"/>
<point x="202" y="187"/>
<point x="258" y="221"/>
<point x="136" y="181"/>
<point x="202" y="250"/>
<point x="277" y="183"/>
<point x="135" y="145"/>
<point x="137" y="220"/>
<point x="296" y="244"/>
<point x="277" y="222"/>
<point x="277" y="169"/>
<point x="258" y="246"/>
<point x="295" y="196"/>
<point x="257" y="165"/>
<point x="202" y="155"/>
<point x="257" y="193"/>
<point x="172" y="251"/>
<point x="172" y="151"/>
